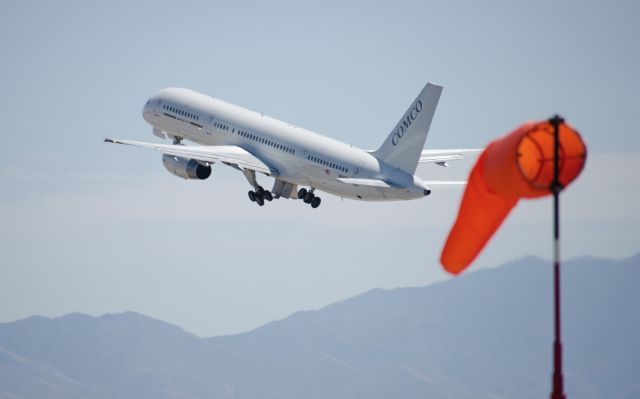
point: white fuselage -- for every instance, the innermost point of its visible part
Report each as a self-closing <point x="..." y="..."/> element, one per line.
<point x="298" y="156"/>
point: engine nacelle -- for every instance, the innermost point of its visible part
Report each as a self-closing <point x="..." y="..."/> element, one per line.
<point x="186" y="168"/>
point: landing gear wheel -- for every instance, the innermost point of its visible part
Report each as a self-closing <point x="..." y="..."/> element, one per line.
<point x="252" y="196"/>
<point x="309" y="197"/>
<point x="315" y="202"/>
<point x="302" y="193"/>
<point x="260" y="190"/>
<point x="268" y="196"/>
<point x="260" y="201"/>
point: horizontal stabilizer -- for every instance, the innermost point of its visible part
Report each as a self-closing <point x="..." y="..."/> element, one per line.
<point x="445" y="155"/>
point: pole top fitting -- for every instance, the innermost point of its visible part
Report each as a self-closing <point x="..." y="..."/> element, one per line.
<point x="556" y="120"/>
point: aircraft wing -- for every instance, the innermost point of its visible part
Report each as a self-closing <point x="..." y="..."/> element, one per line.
<point x="442" y="156"/>
<point x="229" y="154"/>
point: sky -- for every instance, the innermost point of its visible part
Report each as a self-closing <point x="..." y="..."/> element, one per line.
<point x="95" y="228"/>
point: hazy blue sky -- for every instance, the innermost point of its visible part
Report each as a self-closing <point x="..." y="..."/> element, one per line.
<point x="96" y="228"/>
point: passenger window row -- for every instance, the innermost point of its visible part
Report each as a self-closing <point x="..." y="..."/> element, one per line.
<point x="329" y="164"/>
<point x="180" y="112"/>
<point x="270" y="143"/>
<point x="221" y="126"/>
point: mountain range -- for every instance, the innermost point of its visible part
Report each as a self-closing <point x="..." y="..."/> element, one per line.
<point x="487" y="334"/>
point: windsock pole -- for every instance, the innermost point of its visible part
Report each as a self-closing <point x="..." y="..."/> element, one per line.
<point x="558" y="384"/>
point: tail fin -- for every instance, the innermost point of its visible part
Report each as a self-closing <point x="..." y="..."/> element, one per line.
<point x="404" y="145"/>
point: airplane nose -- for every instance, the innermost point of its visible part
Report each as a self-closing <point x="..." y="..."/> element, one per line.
<point x="147" y="108"/>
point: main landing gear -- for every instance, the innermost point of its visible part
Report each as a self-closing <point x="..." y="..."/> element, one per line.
<point x="260" y="196"/>
<point x="309" y="197"/>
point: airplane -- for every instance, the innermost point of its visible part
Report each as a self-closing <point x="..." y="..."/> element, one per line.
<point x="300" y="161"/>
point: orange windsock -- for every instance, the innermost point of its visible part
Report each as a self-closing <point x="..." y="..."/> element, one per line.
<point x="518" y="165"/>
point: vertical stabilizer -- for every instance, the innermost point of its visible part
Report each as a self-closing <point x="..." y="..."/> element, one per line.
<point x="404" y="145"/>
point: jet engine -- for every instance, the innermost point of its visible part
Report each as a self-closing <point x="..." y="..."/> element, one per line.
<point x="186" y="168"/>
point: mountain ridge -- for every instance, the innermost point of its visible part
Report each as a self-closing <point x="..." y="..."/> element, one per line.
<point x="484" y="335"/>
<point x="527" y="258"/>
